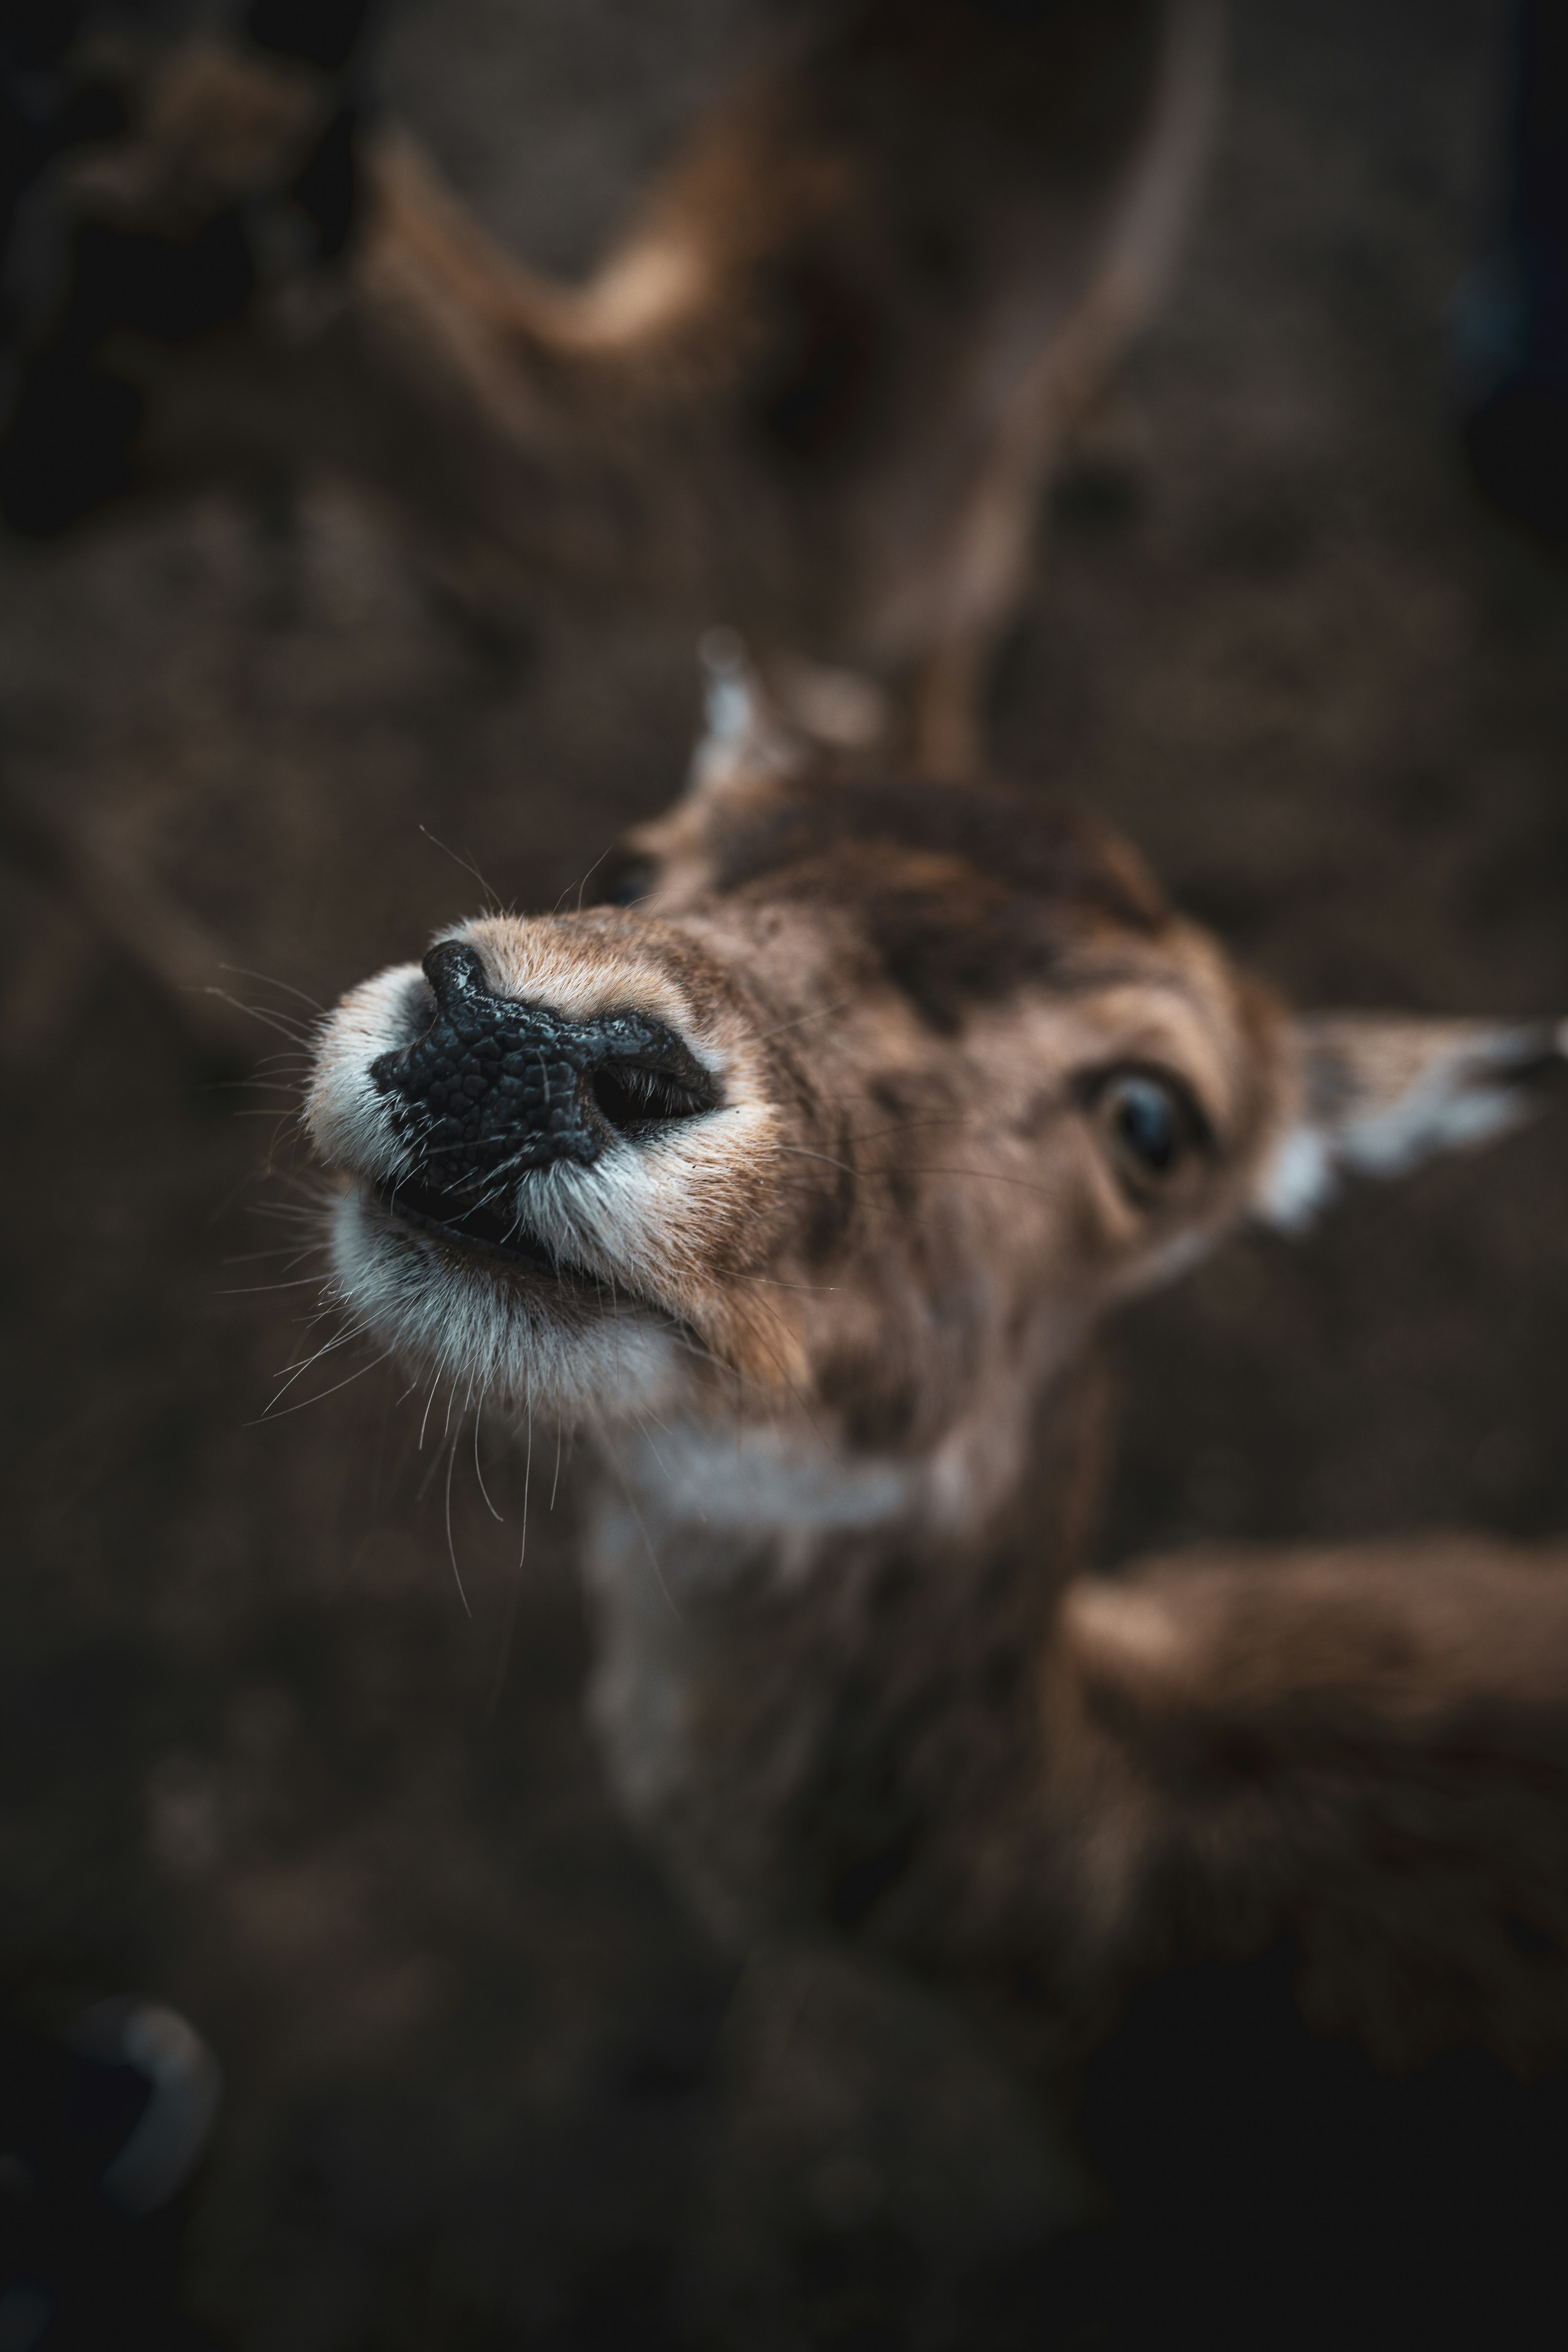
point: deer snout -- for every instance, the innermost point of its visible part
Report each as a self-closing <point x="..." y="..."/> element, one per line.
<point x="496" y="1082"/>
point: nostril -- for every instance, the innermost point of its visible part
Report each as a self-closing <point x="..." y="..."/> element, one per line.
<point x="629" y="1096"/>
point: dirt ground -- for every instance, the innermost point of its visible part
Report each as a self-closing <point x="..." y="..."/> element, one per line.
<point x="486" y="2084"/>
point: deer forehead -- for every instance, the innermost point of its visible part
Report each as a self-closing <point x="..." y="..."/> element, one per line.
<point x="976" y="907"/>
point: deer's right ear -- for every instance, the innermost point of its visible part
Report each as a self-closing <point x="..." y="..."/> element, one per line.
<point x="1380" y="1093"/>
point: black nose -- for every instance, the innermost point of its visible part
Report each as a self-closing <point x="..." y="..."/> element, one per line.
<point x="495" y="1083"/>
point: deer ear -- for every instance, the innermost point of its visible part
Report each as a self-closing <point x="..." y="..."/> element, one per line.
<point x="1380" y="1093"/>
<point x="744" y="740"/>
<point x="754" y="731"/>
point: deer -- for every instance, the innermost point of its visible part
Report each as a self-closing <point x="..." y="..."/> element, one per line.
<point x="800" y="1173"/>
<point x="815" y="386"/>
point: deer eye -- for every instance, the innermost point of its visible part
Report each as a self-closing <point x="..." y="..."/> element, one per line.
<point x="1149" y="1125"/>
<point x="621" y="880"/>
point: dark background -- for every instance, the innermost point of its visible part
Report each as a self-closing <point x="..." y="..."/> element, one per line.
<point x="486" y="2084"/>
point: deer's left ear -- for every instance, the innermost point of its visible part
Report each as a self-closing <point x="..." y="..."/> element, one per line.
<point x="744" y="740"/>
<point x="755" y="729"/>
<point x="1380" y="1093"/>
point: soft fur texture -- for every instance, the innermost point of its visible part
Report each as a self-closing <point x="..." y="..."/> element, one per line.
<point x="834" y="1341"/>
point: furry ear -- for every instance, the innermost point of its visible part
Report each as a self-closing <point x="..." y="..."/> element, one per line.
<point x="744" y="739"/>
<point x="1380" y="1093"/>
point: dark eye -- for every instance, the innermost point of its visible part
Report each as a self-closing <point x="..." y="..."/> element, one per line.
<point x="1150" y="1124"/>
<point x="621" y="880"/>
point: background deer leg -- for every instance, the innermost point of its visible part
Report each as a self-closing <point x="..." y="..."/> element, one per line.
<point x="945" y="716"/>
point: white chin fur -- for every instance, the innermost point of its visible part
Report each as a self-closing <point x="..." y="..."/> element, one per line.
<point x="522" y="1340"/>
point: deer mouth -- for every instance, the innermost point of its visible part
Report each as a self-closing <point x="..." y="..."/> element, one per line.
<point x="479" y="1228"/>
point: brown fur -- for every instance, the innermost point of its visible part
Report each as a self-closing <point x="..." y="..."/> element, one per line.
<point x="813" y="388"/>
<point x="866" y="1683"/>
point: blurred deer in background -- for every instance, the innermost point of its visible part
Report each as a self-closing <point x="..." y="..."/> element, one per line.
<point x="813" y="388"/>
<point x="801" y="1177"/>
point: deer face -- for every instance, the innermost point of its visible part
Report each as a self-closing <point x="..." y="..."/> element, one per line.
<point x="871" y="1092"/>
<point x="863" y="1102"/>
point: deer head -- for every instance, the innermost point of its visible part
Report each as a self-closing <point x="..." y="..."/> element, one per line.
<point x="824" y="1144"/>
<point x="852" y="1109"/>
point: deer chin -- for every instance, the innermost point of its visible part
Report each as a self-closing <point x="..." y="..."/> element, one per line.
<point x="582" y="1293"/>
<point x="557" y="1339"/>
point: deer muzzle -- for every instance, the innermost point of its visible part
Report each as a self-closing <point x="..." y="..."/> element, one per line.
<point x="496" y="1085"/>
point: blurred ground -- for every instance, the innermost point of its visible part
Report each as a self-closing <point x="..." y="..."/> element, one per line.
<point x="486" y="2084"/>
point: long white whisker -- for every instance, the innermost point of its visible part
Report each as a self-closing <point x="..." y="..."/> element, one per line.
<point x="468" y="864"/>
<point x="270" y="1020"/>
<point x="451" y="1547"/>
<point x="268" y="980"/>
<point x="479" y="1416"/>
<point x="295" y="1371"/>
<point x="652" y="1448"/>
<point x="429" y="1402"/>
<point x="321" y="1396"/>
<point x="254" y="1289"/>
<point x="760" y="1036"/>
<point x="503" y="1657"/>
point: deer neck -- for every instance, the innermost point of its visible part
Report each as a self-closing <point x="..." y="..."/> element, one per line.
<point x="816" y="1669"/>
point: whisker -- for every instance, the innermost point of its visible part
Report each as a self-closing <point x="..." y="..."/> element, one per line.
<point x="822" y="1012"/>
<point x="429" y="1402"/>
<point x="585" y="880"/>
<point x="322" y="1395"/>
<point x="284" y="1249"/>
<point x="429" y="1479"/>
<point x="268" y="1018"/>
<point x="268" y="980"/>
<point x="254" y="1289"/>
<point x="774" y="1282"/>
<point x="468" y="864"/>
<point x="508" y="1623"/>
<point x="800" y="1153"/>
<point x="451" y="1547"/>
<point x="652" y="1448"/>
<point x="479" y="1416"/>
<point x="297" y="1371"/>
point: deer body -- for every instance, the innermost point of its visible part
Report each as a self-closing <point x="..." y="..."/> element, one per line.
<point x="802" y="1179"/>
<point x="772" y="1626"/>
<point x="936" y="1741"/>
